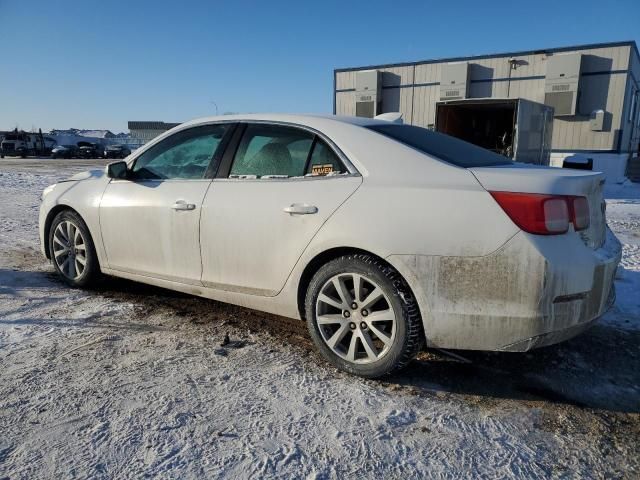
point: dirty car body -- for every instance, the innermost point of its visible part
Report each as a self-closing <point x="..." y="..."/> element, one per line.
<point x="496" y="255"/>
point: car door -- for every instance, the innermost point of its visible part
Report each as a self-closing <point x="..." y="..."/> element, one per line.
<point x="150" y="221"/>
<point x="276" y="187"/>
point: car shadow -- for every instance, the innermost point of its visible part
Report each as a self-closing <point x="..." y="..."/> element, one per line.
<point x="595" y="370"/>
<point x="598" y="369"/>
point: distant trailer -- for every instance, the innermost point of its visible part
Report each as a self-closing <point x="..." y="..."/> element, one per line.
<point x="515" y="127"/>
<point x="25" y="144"/>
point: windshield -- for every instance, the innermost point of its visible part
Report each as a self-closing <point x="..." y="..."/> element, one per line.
<point x="444" y="147"/>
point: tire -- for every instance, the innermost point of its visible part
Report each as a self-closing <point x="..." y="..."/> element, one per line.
<point x="334" y="334"/>
<point x="58" y="245"/>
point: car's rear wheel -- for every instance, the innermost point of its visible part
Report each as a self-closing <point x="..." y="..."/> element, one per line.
<point x="362" y="316"/>
<point x="72" y="251"/>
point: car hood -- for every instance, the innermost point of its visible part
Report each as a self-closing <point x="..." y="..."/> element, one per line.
<point x="89" y="174"/>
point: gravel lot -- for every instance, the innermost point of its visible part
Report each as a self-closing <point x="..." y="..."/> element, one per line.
<point x="128" y="380"/>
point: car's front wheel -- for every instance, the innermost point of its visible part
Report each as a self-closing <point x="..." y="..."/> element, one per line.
<point x="72" y="251"/>
<point x="362" y="316"/>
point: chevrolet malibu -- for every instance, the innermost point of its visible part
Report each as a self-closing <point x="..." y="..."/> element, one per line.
<point x="381" y="236"/>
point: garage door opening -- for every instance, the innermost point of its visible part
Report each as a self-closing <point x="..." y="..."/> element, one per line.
<point x="489" y="126"/>
<point x="514" y="127"/>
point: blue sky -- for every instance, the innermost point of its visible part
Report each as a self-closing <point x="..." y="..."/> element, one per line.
<point x="90" y="64"/>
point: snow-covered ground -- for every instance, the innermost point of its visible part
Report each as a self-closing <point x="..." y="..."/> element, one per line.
<point x="129" y="380"/>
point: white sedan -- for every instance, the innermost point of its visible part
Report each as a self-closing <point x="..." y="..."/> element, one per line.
<point x="380" y="236"/>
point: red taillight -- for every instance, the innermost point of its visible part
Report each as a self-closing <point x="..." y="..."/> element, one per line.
<point x="544" y="214"/>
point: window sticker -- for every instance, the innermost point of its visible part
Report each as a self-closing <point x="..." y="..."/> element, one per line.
<point x="322" y="169"/>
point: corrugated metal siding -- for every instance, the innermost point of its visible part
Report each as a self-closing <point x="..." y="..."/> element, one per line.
<point x="345" y="80"/>
<point x="346" y="103"/>
<point x="634" y="79"/>
<point x="631" y="129"/>
<point x="417" y="91"/>
<point x="424" y="105"/>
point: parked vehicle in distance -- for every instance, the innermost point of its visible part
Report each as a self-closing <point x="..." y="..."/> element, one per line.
<point x="90" y="150"/>
<point x="24" y="144"/>
<point x="380" y="236"/>
<point x="116" y="151"/>
<point x="64" y="151"/>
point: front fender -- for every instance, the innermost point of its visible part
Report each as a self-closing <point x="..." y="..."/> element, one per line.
<point x="84" y="197"/>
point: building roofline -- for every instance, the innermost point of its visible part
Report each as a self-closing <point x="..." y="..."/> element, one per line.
<point x="150" y="125"/>
<point x="627" y="43"/>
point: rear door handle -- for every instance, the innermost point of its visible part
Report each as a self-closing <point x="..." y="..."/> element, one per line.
<point x="301" y="209"/>
<point x="182" y="205"/>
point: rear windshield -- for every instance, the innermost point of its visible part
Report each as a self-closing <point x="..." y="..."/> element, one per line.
<point x="450" y="149"/>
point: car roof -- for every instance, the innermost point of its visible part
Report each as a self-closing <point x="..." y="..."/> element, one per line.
<point x="302" y="119"/>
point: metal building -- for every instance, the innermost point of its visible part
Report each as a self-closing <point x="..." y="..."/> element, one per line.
<point x="594" y="90"/>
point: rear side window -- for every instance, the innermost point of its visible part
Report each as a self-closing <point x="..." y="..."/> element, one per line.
<point x="444" y="147"/>
<point x="323" y="161"/>
<point x="267" y="151"/>
<point x="270" y="150"/>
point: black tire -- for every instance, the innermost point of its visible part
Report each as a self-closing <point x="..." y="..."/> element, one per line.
<point x="91" y="272"/>
<point x="409" y="337"/>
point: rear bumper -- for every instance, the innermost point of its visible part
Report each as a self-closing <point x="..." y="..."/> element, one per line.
<point x="557" y="336"/>
<point x="532" y="292"/>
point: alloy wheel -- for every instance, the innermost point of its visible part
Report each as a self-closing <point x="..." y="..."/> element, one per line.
<point x="69" y="250"/>
<point x="355" y="318"/>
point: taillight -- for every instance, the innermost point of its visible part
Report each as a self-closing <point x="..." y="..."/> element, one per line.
<point x="579" y="212"/>
<point x="544" y="214"/>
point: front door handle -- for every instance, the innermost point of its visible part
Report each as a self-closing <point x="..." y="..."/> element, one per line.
<point x="301" y="209"/>
<point x="182" y="205"/>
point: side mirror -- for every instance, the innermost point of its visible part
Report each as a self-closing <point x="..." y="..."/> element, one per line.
<point x="117" y="170"/>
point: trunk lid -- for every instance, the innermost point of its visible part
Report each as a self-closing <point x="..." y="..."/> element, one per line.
<point x="556" y="181"/>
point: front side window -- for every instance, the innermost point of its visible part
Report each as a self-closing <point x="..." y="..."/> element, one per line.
<point x="268" y="151"/>
<point x="184" y="155"/>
